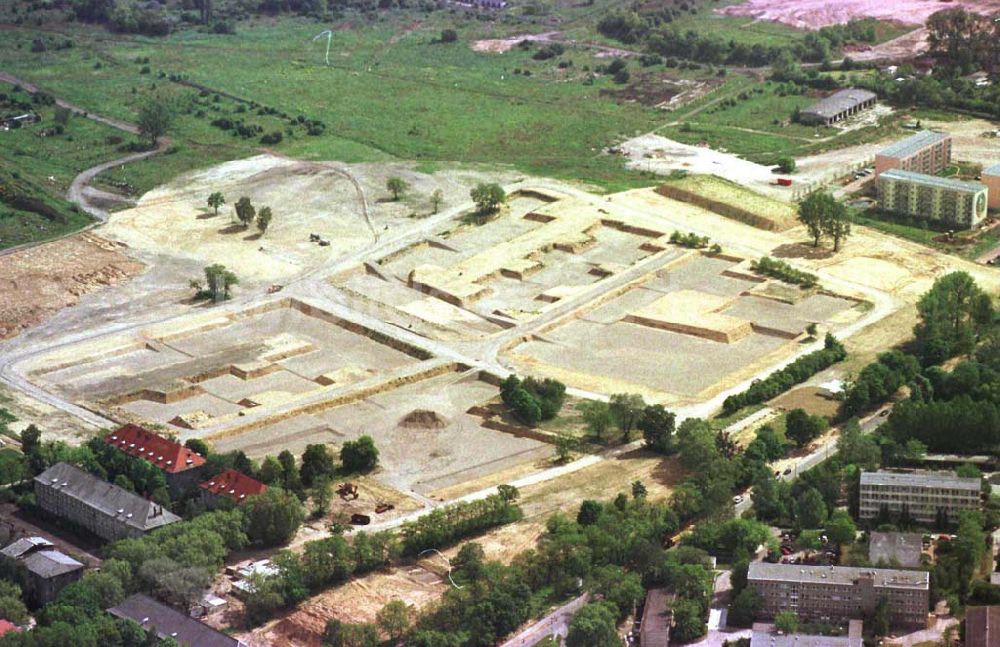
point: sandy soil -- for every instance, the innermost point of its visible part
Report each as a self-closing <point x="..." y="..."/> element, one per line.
<point x="37" y="282"/>
<point x="814" y="14"/>
<point x="814" y="400"/>
<point x="501" y="45"/>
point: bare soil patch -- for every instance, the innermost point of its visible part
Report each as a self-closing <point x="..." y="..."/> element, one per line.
<point x="39" y="281"/>
<point x="801" y="250"/>
<point x="815" y="400"/>
<point x="814" y="14"/>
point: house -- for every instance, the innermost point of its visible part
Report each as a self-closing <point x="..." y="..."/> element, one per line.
<point x="181" y="466"/>
<point x="654" y="631"/>
<point x="766" y="635"/>
<point x="838" y="106"/>
<point x="897" y="549"/>
<point x="108" y="511"/>
<point x="166" y="622"/>
<point x="46" y="570"/>
<point x="229" y="485"/>
<point x="923" y="496"/>
<point x="982" y="626"/>
<point x="838" y="594"/>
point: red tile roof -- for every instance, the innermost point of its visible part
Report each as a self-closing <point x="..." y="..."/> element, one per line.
<point x="235" y="485"/>
<point x="169" y="456"/>
<point x="6" y="626"/>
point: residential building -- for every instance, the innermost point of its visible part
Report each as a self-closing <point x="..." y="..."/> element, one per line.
<point x="925" y="152"/>
<point x="897" y="549"/>
<point x="165" y="622"/>
<point x="991" y="178"/>
<point x="229" y="485"/>
<point x="46" y="570"/>
<point x="955" y="203"/>
<point x="654" y="630"/>
<point x="982" y="626"/>
<point x="923" y="496"/>
<point x="181" y="466"/>
<point x="838" y="594"/>
<point x="837" y="107"/>
<point x="108" y="511"/>
<point x="766" y="635"/>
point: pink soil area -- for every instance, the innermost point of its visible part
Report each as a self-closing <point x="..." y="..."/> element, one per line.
<point x="813" y="14"/>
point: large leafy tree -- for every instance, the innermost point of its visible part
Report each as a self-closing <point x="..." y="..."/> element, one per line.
<point x="817" y="211"/>
<point x="272" y="518"/>
<point x="154" y="118"/>
<point x="593" y="626"/>
<point x="952" y="313"/>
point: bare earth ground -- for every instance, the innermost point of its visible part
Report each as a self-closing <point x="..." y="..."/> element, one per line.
<point x="813" y="14"/>
<point x="39" y="281"/>
<point x="814" y="400"/>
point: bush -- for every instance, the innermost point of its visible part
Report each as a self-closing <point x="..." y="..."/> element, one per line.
<point x="786" y="164"/>
<point x="552" y="50"/>
<point x="359" y="455"/>
<point x="271" y="138"/>
<point x="784" y="272"/>
<point x="533" y="401"/>
<point x="449" y="35"/>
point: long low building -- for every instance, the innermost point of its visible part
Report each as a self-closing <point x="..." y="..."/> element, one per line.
<point x="108" y="511"/>
<point x="767" y="635"/>
<point x="925" y="152"/>
<point x="839" y="594"/>
<point x="838" y="106"/>
<point x="956" y="203"/>
<point x="164" y="622"/>
<point x="926" y="497"/>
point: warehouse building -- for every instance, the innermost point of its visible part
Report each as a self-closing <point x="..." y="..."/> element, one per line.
<point x="108" y="511"/>
<point x="991" y="178"/>
<point x="839" y="594"/>
<point x="951" y="202"/>
<point x="926" y="152"/>
<point x="837" y="107"/>
<point x="925" y="497"/>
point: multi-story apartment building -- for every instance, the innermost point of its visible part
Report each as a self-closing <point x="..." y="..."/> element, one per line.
<point x="991" y="178"/>
<point x="925" y="152"/>
<point x="181" y="467"/>
<point x="955" y="203"/>
<point x="839" y="594"/>
<point x="923" y="496"/>
<point x="108" y="511"/>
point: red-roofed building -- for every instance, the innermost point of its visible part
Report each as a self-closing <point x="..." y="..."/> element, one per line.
<point x="232" y="485"/>
<point x="181" y="466"/>
<point x="6" y="626"/>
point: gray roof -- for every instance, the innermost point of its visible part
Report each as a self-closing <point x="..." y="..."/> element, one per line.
<point x="24" y="545"/>
<point x="50" y="563"/>
<point x="933" y="180"/>
<point x="838" y="102"/>
<point x="912" y="144"/>
<point x="921" y="479"/>
<point x="765" y="635"/>
<point x="992" y="170"/>
<point x="837" y="575"/>
<point x="169" y="622"/>
<point x="903" y="547"/>
<point x="106" y="498"/>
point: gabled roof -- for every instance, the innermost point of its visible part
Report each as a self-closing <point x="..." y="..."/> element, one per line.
<point x="167" y="622"/>
<point x="50" y="563"/>
<point x="233" y="484"/>
<point x="6" y="626"/>
<point x="838" y="102"/>
<point x="25" y="545"/>
<point x="141" y="443"/>
<point x="106" y="498"/>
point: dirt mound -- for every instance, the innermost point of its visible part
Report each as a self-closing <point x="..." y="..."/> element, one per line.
<point x="423" y="419"/>
<point x="38" y="281"/>
<point x="814" y="14"/>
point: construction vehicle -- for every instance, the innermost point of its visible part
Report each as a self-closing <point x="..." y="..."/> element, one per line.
<point x="348" y="491"/>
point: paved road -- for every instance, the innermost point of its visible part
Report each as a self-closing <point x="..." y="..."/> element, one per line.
<point x="556" y="622"/>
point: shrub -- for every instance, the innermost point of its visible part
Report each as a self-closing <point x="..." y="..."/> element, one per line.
<point x="784" y="272"/>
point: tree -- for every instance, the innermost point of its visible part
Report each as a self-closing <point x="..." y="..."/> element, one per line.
<point x="689" y="621"/>
<point x="810" y="509"/>
<point x="838" y="226"/>
<point x="696" y="444"/>
<point x="154" y="119"/>
<point x="816" y="212"/>
<point x="344" y="634"/>
<point x="11" y="606"/>
<point x="565" y="444"/>
<point x="359" y="455"/>
<point x="488" y="198"/>
<point x="952" y="314"/>
<point x="639" y="490"/>
<point x="787" y="621"/>
<point x="657" y="426"/>
<point x="245" y="211"/>
<point x="744" y="608"/>
<point x="436" y="199"/>
<point x="840" y="528"/>
<point x="198" y="446"/>
<point x="219" y="281"/>
<point x="272" y="518"/>
<point x="590" y="511"/>
<point x="394" y="619"/>
<point x="855" y="448"/>
<point x="264" y="220"/>
<point x="317" y="462"/>
<point x="271" y="471"/>
<point x="593" y="626"/>
<point x="469" y="561"/>
<point x="619" y="587"/>
<point x="397" y="186"/>
<point x="597" y="415"/>
<point x="449" y="35"/>
<point x="786" y="164"/>
<point x="626" y="410"/>
<point x="802" y="427"/>
<point x="216" y="200"/>
<point x="31" y="440"/>
<point x="321" y="494"/>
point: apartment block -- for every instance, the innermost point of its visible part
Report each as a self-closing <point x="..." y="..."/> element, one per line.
<point x="991" y="178"/>
<point x="956" y="203"/>
<point x="926" y="152"/>
<point x="920" y="495"/>
<point x="108" y="511"/>
<point x="839" y="594"/>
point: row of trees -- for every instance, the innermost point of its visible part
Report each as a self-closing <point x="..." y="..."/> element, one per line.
<point x="532" y="401"/>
